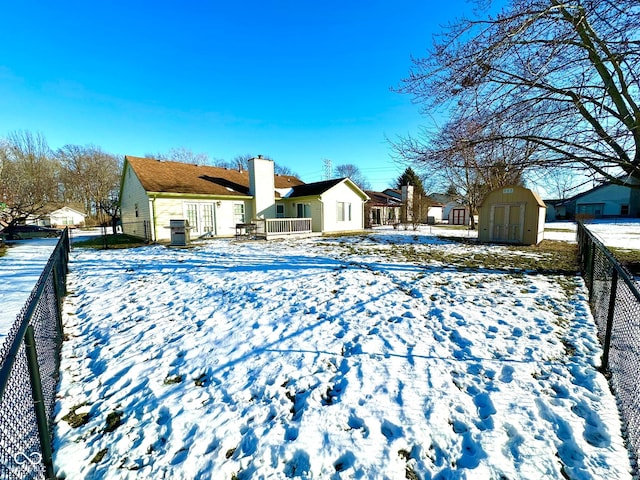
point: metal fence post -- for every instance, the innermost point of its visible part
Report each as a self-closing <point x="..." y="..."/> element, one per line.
<point x="38" y="402"/>
<point x="59" y="284"/>
<point x="592" y="266"/>
<point x="610" y="316"/>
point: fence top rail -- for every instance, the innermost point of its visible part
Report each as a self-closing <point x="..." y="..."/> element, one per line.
<point x="27" y="312"/>
<point x="287" y="219"/>
<point x="623" y="273"/>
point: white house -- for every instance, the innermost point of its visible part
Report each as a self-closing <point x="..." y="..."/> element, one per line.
<point x="60" y="217"/>
<point x="216" y="201"/>
<point x="66" y="216"/>
<point x="434" y="213"/>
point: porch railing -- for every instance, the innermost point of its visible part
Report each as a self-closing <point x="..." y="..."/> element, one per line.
<point x="281" y="227"/>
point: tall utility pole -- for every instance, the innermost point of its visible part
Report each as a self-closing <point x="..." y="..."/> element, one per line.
<point x="328" y="170"/>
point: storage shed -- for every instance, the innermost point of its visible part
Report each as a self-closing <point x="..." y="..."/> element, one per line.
<point x="512" y="215"/>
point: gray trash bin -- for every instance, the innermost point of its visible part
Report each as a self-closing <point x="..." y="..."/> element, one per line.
<point x="179" y="232"/>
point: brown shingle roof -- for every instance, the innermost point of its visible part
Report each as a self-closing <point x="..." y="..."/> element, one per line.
<point x="177" y="177"/>
<point x="382" y="199"/>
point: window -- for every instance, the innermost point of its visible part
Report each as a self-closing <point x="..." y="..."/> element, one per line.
<point x="207" y="217"/>
<point x="238" y="212"/>
<point x="303" y="210"/>
<point x="192" y="215"/>
<point x="624" y="209"/>
<point x="135" y="207"/>
<point x="279" y="210"/>
<point x="595" y="209"/>
<point x="344" y="212"/>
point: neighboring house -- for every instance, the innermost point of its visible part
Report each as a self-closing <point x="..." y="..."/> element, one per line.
<point x="437" y="203"/>
<point x="66" y="216"/>
<point x="422" y="210"/>
<point x="556" y="209"/>
<point x="60" y="218"/>
<point x="382" y="209"/>
<point x="394" y="193"/>
<point x="216" y="200"/>
<point x="606" y="200"/>
<point x="511" y="214"/>
<point x="434" y="212"/>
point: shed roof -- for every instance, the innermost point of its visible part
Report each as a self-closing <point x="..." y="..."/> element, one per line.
<point x="177" y="177"/>
<point x="521" y="191"/>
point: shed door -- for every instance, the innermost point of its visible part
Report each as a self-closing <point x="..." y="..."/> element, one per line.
<point x="507" y="223"/>
<point x="459" y="216"/>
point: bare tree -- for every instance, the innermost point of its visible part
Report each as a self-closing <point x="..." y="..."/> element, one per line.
<point x="182" y="154"/>
<point x="91" y="176"/>
<point x="473" y="167"/>
<point x="284" y="170"/>
<point x="28" y="177"/>
<point x="354" y="174"/>
<point x="560" y="77"/>
<point x="241" y="162"/>
<point x="561" y="182"/>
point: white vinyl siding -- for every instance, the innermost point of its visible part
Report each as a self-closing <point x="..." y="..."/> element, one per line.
<point x="135" y="207"/>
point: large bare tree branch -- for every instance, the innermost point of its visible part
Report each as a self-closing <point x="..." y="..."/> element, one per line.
<point x="559" y="74"/>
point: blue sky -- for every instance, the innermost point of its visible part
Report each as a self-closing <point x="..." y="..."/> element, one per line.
<point x="299" y="82"/>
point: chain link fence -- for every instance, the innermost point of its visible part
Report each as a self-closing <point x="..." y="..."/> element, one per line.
<point x="140" y="229"/>
<point x="615" y="303"/>
<point x="30" y="360"/>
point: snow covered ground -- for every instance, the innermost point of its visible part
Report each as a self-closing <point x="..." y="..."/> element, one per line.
<point x="621" y="234"/>
<point x="328" y="358"/>
<point x="20" y="270"/>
